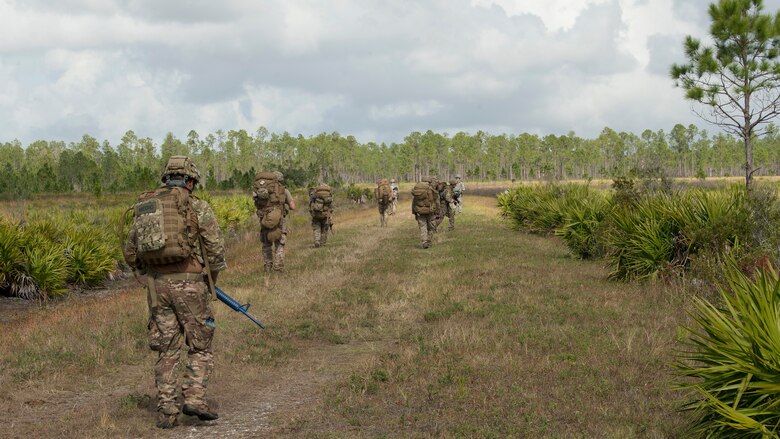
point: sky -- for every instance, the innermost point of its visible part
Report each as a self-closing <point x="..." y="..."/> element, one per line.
<point x="374" y="69"/>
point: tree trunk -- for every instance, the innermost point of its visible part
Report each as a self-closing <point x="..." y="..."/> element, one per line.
<point x="748" y="162"/>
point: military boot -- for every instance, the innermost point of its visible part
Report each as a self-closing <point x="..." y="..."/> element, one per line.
<point x="165" y="420"/>
<point x="202" y="412"/>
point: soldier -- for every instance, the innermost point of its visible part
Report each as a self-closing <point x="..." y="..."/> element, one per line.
<point x="425" y="204"/>
<point x="457" y="193"/>
<point x="321" y="210"/>
<point x="384" y="200"/>
<point x="394" y="187"/>
<point x="273" y="202"/>
<point x="446" y="202"/>
<point x="177" y="265"/>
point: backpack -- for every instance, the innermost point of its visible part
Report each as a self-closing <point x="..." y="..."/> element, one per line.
<point x="267" y="191"/>
<point x="322" y="198"/>
<point x="165" y="226"/>
<point x="384" y="193"/>
<point x="269" y="197"/>
<point x="423" y="199"/>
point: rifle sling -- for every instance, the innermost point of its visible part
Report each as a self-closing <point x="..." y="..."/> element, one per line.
<point x="209" y="281"/>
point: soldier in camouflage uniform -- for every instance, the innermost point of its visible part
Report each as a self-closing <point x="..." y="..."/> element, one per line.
<point x="273" y="248"/>
<point x="321" y="210"/>
<point x="446" y="202"/>
<point x="180" y="308"/>
<point x="425" y="222"/>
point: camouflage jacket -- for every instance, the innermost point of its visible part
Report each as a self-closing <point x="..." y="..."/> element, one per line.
<point x="213" y="244"/>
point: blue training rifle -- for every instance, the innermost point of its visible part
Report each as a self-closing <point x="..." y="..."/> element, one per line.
<point x="235" y="306"/>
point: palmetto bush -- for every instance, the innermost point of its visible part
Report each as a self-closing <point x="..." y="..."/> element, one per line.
<point x="642" y="238"/>
<point x="231" y="211"/>
<point x="583" y="220"/>
<point x="541" y="209"/>
<point x="91" y="254"/>
<point x="11" y="256"/>
<point x="733" y="358"/>
<point x="42" y="257"/>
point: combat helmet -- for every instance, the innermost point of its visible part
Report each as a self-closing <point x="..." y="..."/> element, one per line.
<point x="180" y="165"/>
<point x="453" y="182"/>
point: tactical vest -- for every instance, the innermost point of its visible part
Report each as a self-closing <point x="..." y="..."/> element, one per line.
<point x="423" y="199"/>
<point x="165" y="226"/>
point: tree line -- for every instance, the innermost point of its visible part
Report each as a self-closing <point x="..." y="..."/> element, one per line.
<point x="229" y="159"/>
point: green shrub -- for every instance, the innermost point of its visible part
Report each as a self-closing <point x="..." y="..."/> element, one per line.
<point x="582" y="228"/>
<point x="733" y="358"/>
<point x="641" y="239"/>
<point x="11" y="256"/>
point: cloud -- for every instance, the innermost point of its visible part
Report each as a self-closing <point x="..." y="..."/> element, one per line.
<point x="378" y="68"/>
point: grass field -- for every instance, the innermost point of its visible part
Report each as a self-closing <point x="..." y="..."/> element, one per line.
<point x="490" y="333"/>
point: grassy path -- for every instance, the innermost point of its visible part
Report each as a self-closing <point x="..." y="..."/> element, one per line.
<point x="490" y="333"/>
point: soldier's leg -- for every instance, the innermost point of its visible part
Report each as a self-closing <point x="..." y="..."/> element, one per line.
<point x="193" y="309"/>
<point x="325" y="230"/>
<point x="430" y="226"/>
<point x="422" y="224"/>
<point x="279" y="253"/>
<point x="268" y="251"/>
<point x="165" y="338"/>
<point x="451" y="215"/>
<point x="317" y="231"/>
<point x="279" y="248"/>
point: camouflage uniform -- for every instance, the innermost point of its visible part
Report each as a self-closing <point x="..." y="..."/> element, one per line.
<point x="394" y="188"/>
<point x="426" y="221"/>
<point x="385" y="209"/>
<point x="447" y="208"/>
<point x="457" y="192"/>
<point x="320" y="226"/>
<point x="273" y="250"/>
<point x="180" y="314"/>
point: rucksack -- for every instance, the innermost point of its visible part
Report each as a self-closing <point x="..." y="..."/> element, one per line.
<point x="267" y="191"/>
<point x="321" y="202"/>
<point x="423" y="199"/>
<point x="165" y="225"/>
<point x="384" y="193"/>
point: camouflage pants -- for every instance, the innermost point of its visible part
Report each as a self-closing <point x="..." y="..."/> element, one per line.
<point x="320" y="227"/>
<point x="273" y="251"/>
<point x="181" y="319"/>
<point x="384" y="211"/>
<point x="425" y="222"/>
<point x="447" y="211"/>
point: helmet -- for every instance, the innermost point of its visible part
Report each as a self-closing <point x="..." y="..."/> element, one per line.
<point x="182" y="166"/>
<point x="453" y="182"/>
<point x="457" y="177"/>
<point x="392" y="180"/>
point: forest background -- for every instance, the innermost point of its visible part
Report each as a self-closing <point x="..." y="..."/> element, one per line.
<point x="229" y="159"/>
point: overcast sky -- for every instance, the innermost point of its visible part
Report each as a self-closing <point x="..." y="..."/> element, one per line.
<point x="374" y="69"/>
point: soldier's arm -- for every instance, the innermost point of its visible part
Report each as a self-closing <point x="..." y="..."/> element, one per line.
<point x="130" y="250"/>
<point x="289" y="200"/>
<point x="213" y="245"/>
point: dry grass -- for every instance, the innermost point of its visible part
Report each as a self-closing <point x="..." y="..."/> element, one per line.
<point x="491" y="333"/>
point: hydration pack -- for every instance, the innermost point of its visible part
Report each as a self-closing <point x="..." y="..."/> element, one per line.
<point x="165" y="226"/>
